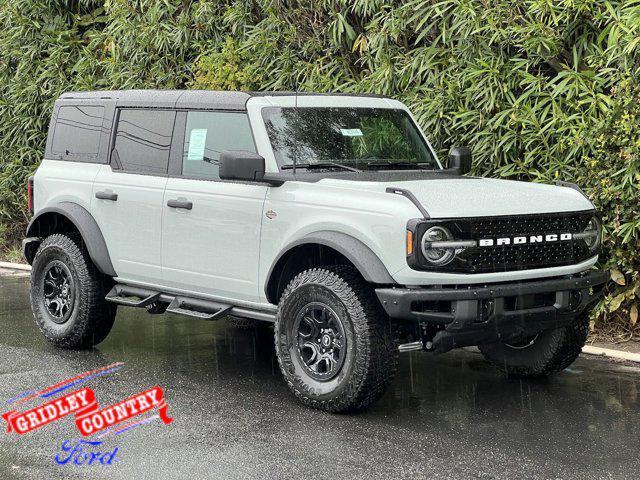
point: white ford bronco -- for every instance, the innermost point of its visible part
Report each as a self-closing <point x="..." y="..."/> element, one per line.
<point x="329" y="216"/>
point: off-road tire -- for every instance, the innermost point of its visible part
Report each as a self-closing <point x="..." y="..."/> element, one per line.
<point x="551" y="351"/>
<point x="91" y="316"/>
<point x="371" y="351"/>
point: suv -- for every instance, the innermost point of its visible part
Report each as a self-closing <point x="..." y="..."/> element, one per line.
<point x="329" y="216"/>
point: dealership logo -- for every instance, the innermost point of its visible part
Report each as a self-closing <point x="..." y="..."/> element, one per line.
<point x="82" y="404"/>
<point x="84" y="452"/>
<point x="525" y="239"/>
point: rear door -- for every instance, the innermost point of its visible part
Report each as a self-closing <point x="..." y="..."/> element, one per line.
<point x="210" y="227"/>
<point x="128" y="193"/>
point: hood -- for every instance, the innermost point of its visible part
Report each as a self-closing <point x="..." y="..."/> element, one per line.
<point x="481" y="197"/>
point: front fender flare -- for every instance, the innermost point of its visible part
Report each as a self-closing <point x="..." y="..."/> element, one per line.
<point x="88" y="228"/>
<point x="360" y="255"/>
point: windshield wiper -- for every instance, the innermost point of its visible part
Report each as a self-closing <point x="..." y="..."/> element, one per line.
<point x="311" y="166"/>
<point x="392" y="165"/>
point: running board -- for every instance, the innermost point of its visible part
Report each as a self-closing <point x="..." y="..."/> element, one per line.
<point x="203" y="309"/>
<point x="132" y="296"/>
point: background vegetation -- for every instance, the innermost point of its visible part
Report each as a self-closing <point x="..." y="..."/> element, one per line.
<point x="541" y="90"/>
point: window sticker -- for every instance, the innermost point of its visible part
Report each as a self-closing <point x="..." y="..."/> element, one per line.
<point x="351" y="132"/>
<point x="197" y="141"/>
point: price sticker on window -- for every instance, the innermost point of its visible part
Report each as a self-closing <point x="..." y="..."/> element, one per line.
<point x="197" y="142"/>
<point x="351" y="132"/>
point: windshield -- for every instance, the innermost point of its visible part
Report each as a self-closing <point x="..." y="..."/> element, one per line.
<point x="358" y="138"/>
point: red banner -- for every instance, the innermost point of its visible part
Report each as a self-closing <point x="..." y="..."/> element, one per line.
<point x="51" y="411"/>
<point x="90" y="420"/>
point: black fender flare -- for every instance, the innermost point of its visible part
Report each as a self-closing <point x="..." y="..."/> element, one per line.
<point x="88" y="228"/>
<point x="359" y="254"/>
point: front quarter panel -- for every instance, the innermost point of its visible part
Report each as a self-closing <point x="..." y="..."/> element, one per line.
<point x="297" y="210"/>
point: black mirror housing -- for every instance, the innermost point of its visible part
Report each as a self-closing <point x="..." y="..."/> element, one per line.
<point x="241" y="165"/>
<point x="460" y="159"/>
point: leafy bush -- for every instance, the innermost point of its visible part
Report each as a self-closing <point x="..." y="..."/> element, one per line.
<point x="540" y="90"/>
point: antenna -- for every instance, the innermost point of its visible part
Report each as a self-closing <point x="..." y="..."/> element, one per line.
<point x="295" y="111"/>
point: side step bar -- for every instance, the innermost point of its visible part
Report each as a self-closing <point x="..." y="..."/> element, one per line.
<point x="203" y="309"/>
<point x="194" y="307"/>
<point x="132" y="296"/>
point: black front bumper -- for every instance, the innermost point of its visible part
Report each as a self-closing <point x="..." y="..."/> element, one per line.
<point x="477" y="314"/>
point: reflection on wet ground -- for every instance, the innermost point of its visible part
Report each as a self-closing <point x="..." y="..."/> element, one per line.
<point x="452" y="416"/>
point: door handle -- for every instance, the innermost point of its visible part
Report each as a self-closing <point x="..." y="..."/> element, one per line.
<point x="186" y="204"/>
<point x="107" y="196"/>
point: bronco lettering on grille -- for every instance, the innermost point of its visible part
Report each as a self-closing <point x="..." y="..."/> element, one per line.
<point x="521" y="240"/>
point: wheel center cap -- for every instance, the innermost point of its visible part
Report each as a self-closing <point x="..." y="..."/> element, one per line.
<point x="326" y="340"/>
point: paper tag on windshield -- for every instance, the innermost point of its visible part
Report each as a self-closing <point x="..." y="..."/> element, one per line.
<point x="351" y="132"/>
<point x="197" y="141"/>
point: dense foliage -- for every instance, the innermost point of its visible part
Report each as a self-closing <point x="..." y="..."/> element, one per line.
<point x="540" y="90"/>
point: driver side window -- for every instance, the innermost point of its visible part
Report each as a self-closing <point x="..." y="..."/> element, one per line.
<point x="209" y="133"/>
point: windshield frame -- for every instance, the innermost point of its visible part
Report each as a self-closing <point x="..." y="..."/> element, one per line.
<point x="335" y="105"/>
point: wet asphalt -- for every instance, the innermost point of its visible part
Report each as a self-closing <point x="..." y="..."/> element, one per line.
<point x="449" y="416"/>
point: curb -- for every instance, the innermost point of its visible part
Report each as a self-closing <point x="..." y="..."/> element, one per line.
<point x="593" y="351"/>
<point x="16" y="266"/>
<point x="609" y="353"/>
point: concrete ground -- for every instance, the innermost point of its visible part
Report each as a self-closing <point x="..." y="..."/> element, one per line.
<point x="449" y="416"/>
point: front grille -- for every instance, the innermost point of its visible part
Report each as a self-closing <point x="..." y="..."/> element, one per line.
<point x="529" y="224"/>
<point x="520" y="257"/>
<point x="527" y="256"/>
<point x="517" y="257"/>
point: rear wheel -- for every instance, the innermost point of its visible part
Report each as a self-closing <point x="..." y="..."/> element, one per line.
<point x="334" y="342"/>
<point x="540" y="355"/>
<point x="67" y="294"/>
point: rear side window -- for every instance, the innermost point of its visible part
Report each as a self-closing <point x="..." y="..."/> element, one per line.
<point x="143" y="141"/>
<point x="77" y="132"/>
<point x="209" y="133"/>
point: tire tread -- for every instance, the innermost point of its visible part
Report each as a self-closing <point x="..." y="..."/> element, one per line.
<point x="373" y="334"/>
<point x="95" y="317"/>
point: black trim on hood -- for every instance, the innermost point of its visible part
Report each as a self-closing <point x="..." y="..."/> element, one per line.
<point x="407" y="193"/>
<point x="368" y="176"/>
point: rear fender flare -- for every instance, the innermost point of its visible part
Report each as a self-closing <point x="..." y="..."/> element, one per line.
<point x="86" y="225"/>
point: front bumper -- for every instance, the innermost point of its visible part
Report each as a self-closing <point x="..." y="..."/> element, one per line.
<point x="472" y="315"/>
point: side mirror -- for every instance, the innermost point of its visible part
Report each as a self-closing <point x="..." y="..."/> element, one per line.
<point x="460" y="159"/>
<point x="241" y="165"/>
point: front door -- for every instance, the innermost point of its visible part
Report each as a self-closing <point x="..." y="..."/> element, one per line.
<point x="128" y="194"/>
<point x="211" y="228"/>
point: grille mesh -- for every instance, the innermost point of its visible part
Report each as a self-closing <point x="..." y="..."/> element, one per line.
<point x="519" y="257"/>
<point x="526" y="256"/>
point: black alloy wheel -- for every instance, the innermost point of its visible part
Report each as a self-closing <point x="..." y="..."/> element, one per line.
<point x="321" y="341"/>
<point x="336" y="347"/>
<point x="59" y="291"/>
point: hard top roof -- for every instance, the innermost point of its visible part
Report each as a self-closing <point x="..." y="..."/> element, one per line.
<point x="188" y="98"/>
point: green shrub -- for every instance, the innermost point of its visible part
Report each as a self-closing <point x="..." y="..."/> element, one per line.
<point x="540" y="90"/>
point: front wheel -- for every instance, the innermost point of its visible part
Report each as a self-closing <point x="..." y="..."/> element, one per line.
<point x="334" y="342"/>
<point x="540" y="355"/>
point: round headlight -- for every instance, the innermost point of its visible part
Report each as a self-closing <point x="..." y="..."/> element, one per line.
<point x="592" y="234"/>
<point x="437" y="256"/>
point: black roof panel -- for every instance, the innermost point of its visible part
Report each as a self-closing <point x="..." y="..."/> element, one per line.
<point x="222" y="100"/>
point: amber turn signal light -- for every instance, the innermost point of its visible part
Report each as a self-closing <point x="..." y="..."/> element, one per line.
<point x="409" y="243"/>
